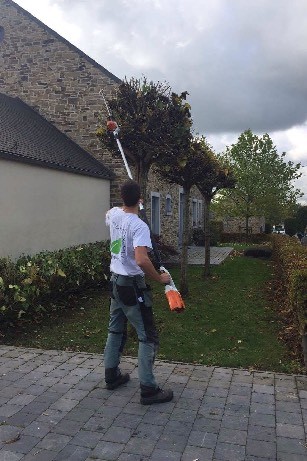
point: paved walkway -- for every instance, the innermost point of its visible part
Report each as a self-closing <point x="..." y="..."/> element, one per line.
<point x="53" y="406"/>
<point x="196" y="255"/>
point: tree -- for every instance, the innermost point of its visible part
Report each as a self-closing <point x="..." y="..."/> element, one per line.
<point x="301" y="218"/>
<point x="187" y="168"/>
<point x="218" y="177"/>
<point x="264" y="180"/>
<point x="154" y="122"/>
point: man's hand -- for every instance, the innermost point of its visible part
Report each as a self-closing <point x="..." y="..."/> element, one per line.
<point x="165" y="278"/>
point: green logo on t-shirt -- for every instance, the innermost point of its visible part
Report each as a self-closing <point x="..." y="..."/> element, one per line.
<point x="115" y="246"/>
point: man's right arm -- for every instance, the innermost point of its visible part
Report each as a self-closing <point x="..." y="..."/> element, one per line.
<point x="143" y="261"/>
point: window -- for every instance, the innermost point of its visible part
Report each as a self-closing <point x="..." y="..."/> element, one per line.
<point x="155" y="213"/>
<point x="197" y="213"/>
<point x="194" y="213"/>
<point x="168" y="205"/>
<point x="1" y="33"/>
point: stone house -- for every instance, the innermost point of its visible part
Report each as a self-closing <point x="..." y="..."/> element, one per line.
<point x="232" y="225"/>
<point x="53" y="193"/>
<point x="62" y="84"/>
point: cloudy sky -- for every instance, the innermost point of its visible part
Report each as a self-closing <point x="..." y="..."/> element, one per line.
<point x="243" y="62"/>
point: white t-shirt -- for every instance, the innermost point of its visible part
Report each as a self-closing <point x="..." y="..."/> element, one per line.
<point x="127" y="231"/>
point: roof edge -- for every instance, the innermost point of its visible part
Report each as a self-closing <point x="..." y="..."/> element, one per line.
<point x="69" y="44"/>
<point x="12" y="156"/>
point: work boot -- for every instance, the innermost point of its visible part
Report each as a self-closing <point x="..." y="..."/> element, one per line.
<point x="150" y="395"/>
<point x="114" y="378"/>
<point x="118" y="381"/>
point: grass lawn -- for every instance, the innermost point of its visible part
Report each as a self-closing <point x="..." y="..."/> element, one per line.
<point x="229" y="321"/>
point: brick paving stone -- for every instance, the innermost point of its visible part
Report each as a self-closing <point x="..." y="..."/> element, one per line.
<point x="260" y="419"/>
<point x="54" y="442"/>
<point x="159" y="455"/>
<point x="98" y="424"/>
<point x="87" y="439"/>
<point x="24" y="444"/>
<point x="202" y="439"/>
<point x="262" y="408"/>
<point x="262" y="433"/>
<point x="296" y="446"/>
<point x="132" y="457"/>
<point x="21" y="419"/>
<point x="6" y="455"/>
<point x="291" y="407"/>
<point x="40" y="455"/>
<point x="148" y="431"/>
<point x="199" y="453"/>
<point x="290" y="430"/>
<point x="237" y="437"/>
<point x="235" y="422"/>
<point x="261" y="448"/>
<point x="290" y="457"/>
<point x="159" y="419"/>
<point x="73" y="453"/>
<point x="229" y="452"/>
<point x="108" y="451"/>
<point x="172" y="441"/>
<point x="237" y="410"/>
<point x="208" y="425"/>
<point x="117" y="434"/>
<point x="284" y="417"/>
<point x="37" y="429"/>
<point x="63" y="411"/>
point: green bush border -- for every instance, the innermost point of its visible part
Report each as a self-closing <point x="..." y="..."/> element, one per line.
<point x="28" y="285"/>
<point x="291" y="258"/>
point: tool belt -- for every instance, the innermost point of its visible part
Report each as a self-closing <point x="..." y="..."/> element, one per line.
<point x="131" y="290"/>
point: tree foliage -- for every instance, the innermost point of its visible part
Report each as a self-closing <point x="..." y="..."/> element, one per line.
<point x="196" y="166"/>
<point x="264" y="180"/>
<point x="154" y="122"/>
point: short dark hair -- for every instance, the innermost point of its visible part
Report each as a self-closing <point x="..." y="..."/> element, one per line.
<point x="130" y="192"/>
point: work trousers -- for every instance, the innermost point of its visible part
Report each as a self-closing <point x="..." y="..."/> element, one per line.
<point x="131" y="300"/>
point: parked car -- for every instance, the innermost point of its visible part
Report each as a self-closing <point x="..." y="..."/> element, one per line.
<point x="279" y="229"/>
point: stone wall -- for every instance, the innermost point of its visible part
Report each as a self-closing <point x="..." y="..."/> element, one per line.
<point x="56" y="79"/>
<point x="63" y="84"/>
<point x="256" y="225"/>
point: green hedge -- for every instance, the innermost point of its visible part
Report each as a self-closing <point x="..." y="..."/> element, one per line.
<point x="28" y="285"/>
<point x="241" y="238"/>
<point x="291" y="257"/>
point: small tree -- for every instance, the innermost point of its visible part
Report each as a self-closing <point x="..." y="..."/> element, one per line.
<point x="154" y="122"/>
<point x="187" y="168"/>
<point x="264" y="184"/>
<point x="218" y="177"/>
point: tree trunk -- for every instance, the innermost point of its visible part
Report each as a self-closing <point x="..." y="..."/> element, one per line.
<point x="184" y="289"/>
<point x="246" y="226"/>
<point x="304" y="345"/>
<point x="142" y="171"/>
<point x="206" y="272"/>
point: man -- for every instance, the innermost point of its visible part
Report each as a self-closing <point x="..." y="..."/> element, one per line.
<point x="130" y="296"/>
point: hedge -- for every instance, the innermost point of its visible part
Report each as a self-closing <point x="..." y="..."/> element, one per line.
<point x="291" y="257"/>
<point x="28" y="285"/>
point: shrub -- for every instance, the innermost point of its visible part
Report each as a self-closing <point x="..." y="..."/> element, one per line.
<point x="28" y="285"/>
<point x="291" y="258"/>
<point x="198" y="237"/>
<point x="216" y="229"/>
<point x="268" y="228"/>
<point x="165" y="250"/>
<point x="239" y="238"/>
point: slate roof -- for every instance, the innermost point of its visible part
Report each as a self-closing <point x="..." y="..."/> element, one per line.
<point x="28" y="137"/>
<point x="70" y="45"/>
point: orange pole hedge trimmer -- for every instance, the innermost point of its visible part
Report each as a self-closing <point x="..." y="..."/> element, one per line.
<point x="173" y="296"/>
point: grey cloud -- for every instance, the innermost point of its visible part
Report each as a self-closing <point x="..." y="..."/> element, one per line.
<point x="244" y="63"/>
